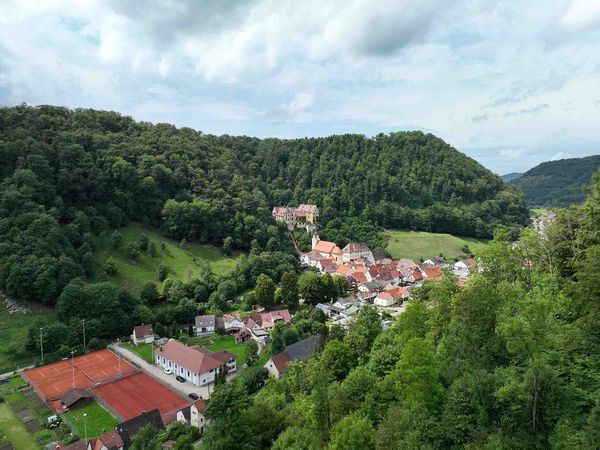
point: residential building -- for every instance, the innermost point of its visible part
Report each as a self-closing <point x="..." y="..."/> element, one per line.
<point x="327" y="249"/>
<point x="204" y="325"/>
<point x="192" y="415"/>
<point x="299" y="351"/>
<point x="142" y="334"/>
<point x="128" y="429"/>
<point x="356" y="250"/>
<point x="197" y="365"/>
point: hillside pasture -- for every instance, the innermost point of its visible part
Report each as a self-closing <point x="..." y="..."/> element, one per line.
<point x="183" y="262"/>
<point x="420" y="245"/>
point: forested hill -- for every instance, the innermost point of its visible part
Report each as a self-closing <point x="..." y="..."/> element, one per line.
<point x="403" y="180"/>
<point x="557" y="183"/>
<point x="66" y="175"/>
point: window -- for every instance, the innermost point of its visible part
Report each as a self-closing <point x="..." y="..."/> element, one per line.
<point x="188" y="373"/>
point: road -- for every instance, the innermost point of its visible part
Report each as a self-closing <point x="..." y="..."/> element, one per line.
<point x="157" y="372"/>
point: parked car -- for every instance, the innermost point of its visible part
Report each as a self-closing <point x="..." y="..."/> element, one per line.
<point x="180" y="379"/>
<point x="193" y="396"/>
<point x="168" y="371"/>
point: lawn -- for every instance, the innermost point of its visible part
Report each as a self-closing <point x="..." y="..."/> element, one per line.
<point x="13" y="335"/>
<point x="418" y="245"/>
<point x="183" y="263"/>
<point x="98" y="419"/>
<point x="14" y="430"/>
<point x="217" y="342"/>
<point x="143" y="350"/>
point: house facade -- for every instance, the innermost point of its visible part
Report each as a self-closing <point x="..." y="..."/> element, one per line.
<point x="195" y="364"/>
<point x="142" y="334"/>
<point x="204" y="325"/>
<point x="356" y="250"/>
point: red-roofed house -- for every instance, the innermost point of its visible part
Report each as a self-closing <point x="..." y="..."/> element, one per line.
<point x="327" y="249"/>
<point x="196" y="365"/>
<point x="432" y="273"/>
<point x="142" y="334"/>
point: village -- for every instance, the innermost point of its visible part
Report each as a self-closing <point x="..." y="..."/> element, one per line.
<point x="150" y="379"/>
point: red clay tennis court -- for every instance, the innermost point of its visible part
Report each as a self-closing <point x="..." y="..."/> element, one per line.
<point x="131" y="396"/>
<point x="93" y="369"/>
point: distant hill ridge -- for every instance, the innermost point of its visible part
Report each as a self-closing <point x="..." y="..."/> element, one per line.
<point x="511" y="176"/>
<point x="557" y="183"/>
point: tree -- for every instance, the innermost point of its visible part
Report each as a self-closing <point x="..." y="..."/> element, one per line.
<point x="264" y="292"/>
<point x="227" y="246"/>
<point x="149" y="294"/>
<point x="251" y="351"/>
<point x="152" y="249"/>
<point x="341" y="285"/>
<point x="116" y="240"/>
<point x="133" y="250"/>
<point x="162" y="273"/>
<point x="143" y="242"/>
<point x="329" y="288"/>
<point x="254" y="379"/>
<point x="311" y="288"/>
<point x="353" y="432"/>
<point x="147" y="438"/>
<point x="110" y="267"/>
<point x="289" y="289"/>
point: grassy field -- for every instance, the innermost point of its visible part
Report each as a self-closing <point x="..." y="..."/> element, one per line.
<point x="143" y="350"/>
<point x="15" y="431"/>
<point x="98" y="419"/>
<point x="217" y="342"/>
<point x="418" y="245"/>
<point x="13" y="335"/>
<point x="537" y="212"/>
<point x="182" y="263"/>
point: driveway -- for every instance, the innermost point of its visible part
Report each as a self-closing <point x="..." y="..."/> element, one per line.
<point x="169" y="380"/>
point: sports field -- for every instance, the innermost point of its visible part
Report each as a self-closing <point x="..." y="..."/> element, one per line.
<point x="131" y="396"/>
<point x="85" y="371"/>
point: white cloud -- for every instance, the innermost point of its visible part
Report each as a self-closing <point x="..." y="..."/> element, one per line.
<point x="582" y="14"/>
<point x="491" y="78"/>
<point x="561" y="155"/>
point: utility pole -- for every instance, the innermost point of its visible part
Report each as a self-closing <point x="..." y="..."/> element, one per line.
<point x="42" y="345"/>
<point x="84" y="349"/>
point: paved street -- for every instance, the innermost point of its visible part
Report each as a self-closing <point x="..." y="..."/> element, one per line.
<point x="168" y="380"/>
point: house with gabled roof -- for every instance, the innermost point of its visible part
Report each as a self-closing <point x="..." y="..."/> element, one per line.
<point x="327" y="249"/>
<point x="356" y="250"/>
<point x="197" y="365"/>
<point x="142" y="334"/>
<point x="128" y="429"/>
<point x="299" y="351"/>
<point x="204" y="325"/>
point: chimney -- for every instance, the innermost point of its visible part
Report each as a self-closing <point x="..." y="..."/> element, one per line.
<point x="315" y="240"/>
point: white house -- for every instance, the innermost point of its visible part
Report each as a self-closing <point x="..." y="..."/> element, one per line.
<point x="356" y="250"/>
<point x="197" y="365"/>
<point x="384" y="299"/>
<point x="142" y="334"/>
<point x="204" y="325"/>
<point x="192" y="415"/>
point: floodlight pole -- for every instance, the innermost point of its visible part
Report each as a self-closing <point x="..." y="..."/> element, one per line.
<point x="42" y="345"/>
<point x="84" y="347"/>
<point x="85" y="427"/>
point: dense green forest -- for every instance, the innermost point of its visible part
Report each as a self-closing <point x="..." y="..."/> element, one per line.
<point x="509" y="361"/>
<point x="67" y="175"/>
<point x="557" y="184"/>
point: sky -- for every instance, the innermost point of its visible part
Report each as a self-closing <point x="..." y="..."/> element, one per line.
<point x="509" y="83"/>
